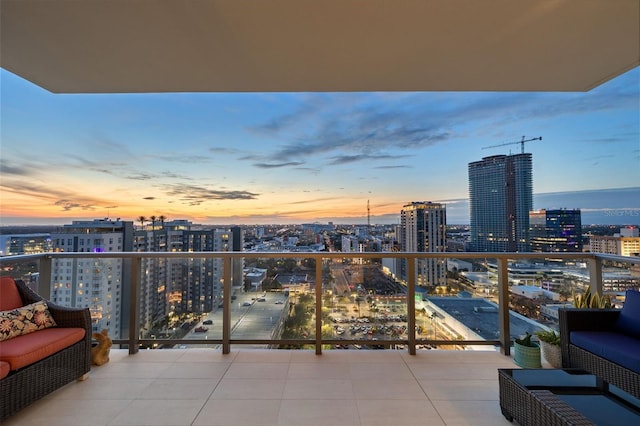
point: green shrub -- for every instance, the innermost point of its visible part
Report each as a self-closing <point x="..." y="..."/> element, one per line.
<point x="589" y="300"/>
<point x="526" y="341"/>
<point x="549" y="336"/>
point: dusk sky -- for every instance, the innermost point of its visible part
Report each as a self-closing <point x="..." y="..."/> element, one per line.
<point x="260" y="158"/>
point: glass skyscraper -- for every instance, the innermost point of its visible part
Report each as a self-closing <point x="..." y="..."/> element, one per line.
<point x="556" y="230"/>
<point x="500" y="199"/>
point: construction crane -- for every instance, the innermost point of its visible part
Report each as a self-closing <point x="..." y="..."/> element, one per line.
<point x="513" y="143"/>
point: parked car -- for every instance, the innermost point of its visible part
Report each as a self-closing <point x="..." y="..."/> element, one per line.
<point x="201" y="329"/>
<point x="207" y="322"/>
<point x="246" y="304"/>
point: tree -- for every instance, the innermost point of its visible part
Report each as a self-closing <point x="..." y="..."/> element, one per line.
<point x="153" y="222"/>
<point x="162" y="218"/>
<point x="142" y="220"/>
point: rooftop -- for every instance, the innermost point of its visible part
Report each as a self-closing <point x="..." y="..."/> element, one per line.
<point x="481" y="316"/>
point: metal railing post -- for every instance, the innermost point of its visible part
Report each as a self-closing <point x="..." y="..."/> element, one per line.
<point x="595" y="275"/>
<point x="134" y="321"/>
<point x="503" y="305"/>
<point x="44" y="277"/>
<point x="226" y="309"/>
<point x="411" y="305"/>
<point x="319" y="306"/>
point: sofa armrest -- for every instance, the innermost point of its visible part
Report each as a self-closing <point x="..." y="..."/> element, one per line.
<point x="71" y="317"/>
<point x="28" y="296"/>
<point x="578" y="319"/>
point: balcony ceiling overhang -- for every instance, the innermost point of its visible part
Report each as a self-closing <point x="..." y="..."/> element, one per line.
<point x="131" y="46"/>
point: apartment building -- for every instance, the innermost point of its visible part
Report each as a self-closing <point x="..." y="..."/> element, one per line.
<point x="423" y="228"/>
<point x="624" y="243"/>
<point x="96" y="284"/>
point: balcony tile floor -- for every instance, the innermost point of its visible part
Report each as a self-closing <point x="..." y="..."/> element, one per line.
<point x="277" y="387"/>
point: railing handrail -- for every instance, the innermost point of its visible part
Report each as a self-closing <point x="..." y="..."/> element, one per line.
<point x="325" y="254"/>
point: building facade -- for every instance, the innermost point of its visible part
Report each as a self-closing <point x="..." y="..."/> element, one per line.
<point x="423" y="228"/>
<point x="167" y="287"/>
<point x="171" y="287"/>
<point x="625" y="243"/>
<point x="557" y="230"/>
<point x="12" y="245"/>
<point x="500" y="199"/>
<point x="96" y="284"/>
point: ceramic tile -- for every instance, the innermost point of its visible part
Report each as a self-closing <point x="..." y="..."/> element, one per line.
<point x="318" y="413"/>
<point x="54" y="412"/>
<point x="249" y="389"/>
<point x="387" y="389"/>
<point x="318" y="389"/>
<point x="258" y="370"/>
<point x="103" y="389"/>
<point x="159" y="413"/>
<point x="380" y="370"/>
<point x="461" y="390"/>
<point x="187" y="388"/>
<point x="472" y="413"/>
<point x="453" y="371"/>
<point x="197" y="370"/>
<point x="265" y="355"/>
<point x="318" y="370"/>
<point x="383" y="412"/>
<point x="130" y="370"/>
<point x="256" y="412"/>
<point x="206" y="355"/>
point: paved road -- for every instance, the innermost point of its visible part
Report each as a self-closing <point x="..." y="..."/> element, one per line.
<point x="255" y="321"/>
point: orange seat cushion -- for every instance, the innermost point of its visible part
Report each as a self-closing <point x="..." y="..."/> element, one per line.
<point x="29" y="348"/>
<point x="9" y="295"/>
<point x="4" y="369"/>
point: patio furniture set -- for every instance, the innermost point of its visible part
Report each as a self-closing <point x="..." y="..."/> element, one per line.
<point x="600" y="379"/>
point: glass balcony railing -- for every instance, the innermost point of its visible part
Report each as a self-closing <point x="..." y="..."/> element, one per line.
<point x="322" y="300"/>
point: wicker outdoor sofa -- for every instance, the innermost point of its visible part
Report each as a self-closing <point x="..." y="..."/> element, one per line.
<point x="604" y="342"/>
<point x="39" y="362"/>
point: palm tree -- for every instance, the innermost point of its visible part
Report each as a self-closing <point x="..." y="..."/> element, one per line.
<point x="162" y="218"/>
<point x="153" y="222"/>
<point x="142" y="220"/>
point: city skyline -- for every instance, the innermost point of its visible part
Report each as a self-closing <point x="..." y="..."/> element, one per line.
<point x="262" y="158"/>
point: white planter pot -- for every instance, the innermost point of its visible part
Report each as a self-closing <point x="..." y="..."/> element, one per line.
<point x="552" y="354"/>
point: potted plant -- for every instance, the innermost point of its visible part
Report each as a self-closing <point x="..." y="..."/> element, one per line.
<point x="526" y="353"/>
<point x="589" y="300"/>
<point x="550" y="346"/>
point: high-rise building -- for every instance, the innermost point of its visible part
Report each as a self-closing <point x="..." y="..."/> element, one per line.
<point x="624" y="243"/>
<point x="96" y="284"/>
<point x="558" y="230"/>
<point x="423" y="228"/>
<point x="500" y="199"/>
<point x="179" y="286"/>
<point x="167" y="286"/>
<point x="12" y="245"/>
